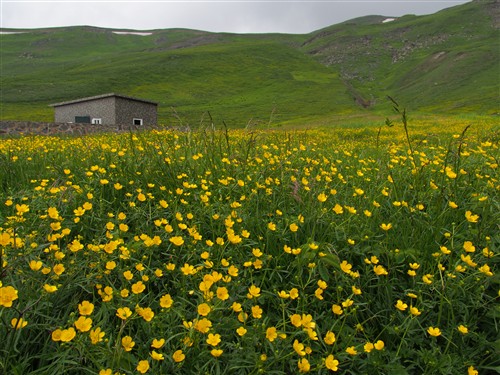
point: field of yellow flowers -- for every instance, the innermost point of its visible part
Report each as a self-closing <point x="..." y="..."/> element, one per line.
<point x="349" y="250"/>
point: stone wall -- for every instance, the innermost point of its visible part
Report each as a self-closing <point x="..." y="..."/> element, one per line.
<point x="54" y="128"/>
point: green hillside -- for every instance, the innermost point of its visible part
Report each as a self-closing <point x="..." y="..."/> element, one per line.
<point x="447" y="62"/>
<point x="237" y="78"/>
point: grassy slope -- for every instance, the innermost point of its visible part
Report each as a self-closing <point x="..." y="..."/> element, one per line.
<point x="444" y="61"/>
<point x="234" y="77"/>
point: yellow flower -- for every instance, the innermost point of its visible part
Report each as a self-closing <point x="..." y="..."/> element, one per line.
<point x="427" y="278"/>
<point x="166" y="301"/>
<point x="178" y="356"/>
<point x="22" y="209"/>
<point x="379" y="345"/>
<point x="294" y="227"/>
<point x="177" y="240"/>
<point x="67" y="334"/>
<point x="296" y="320"/>
<point x="271" y="334"/>
<point x="450" y="173"/>
<point x="385" y="227"/>
<point x="434" y="331"/>
<point x="83" y="324"/>
<point x="123" y="313"/>
<point x="143" y="366"/>
<point x="146" y="313"/>
<point x="351" y="350"/>
<point x="469" y="247"/>
<point x="472" y="371"/>
<point x="48" y="288"/>
<point x="213" y="339"/>
<point x="138" y="287"/>
<point x="271" y="226"/>
<point x="188" y="269"/>
<point x="331" y="363"/>
<point x="96" y="335"/>
<point x="322" y="284"/>
<point x="257" y="312"/>
<point x="157" y="356"/>
<point x="414" y="311"/>
<point x="222" y="293"/>
<point x="232" y="271"/>
<point x="471" y="218"/>
<point x="294" y="293"/>
<point x="241" y="331"/>
<point x="216" y="352"/>
<point x="368" y="347"/>
<point x="204" y="309"/>
<point x="106" y="372"/>
<point x="380" y="270"/>
<point x="127" y="343"/>
<point x="8" y="294"/>
<point x="347" y="303"/>
<point x="86" y="308"/>
<point x="232" y="237"/>
<point x="400" y="305"/>
<point x="203" y="325"/>
<point x="304" y="365"/>
<point x="322" y="197"/>
<point x="35" y="265"/>
<point x="345" y="266"/>
<point x="18" y="324"/>
<point x="463" y="329"/>
<point x="337" y="310"/>
<point x="319" y="294"/>
<point x="299" y="348"/>
<point x="283" y="294"/>
<point x="253" y="292"/>
<point x="329" y="338"/>
<point x="444" y="250"/>
<point x="486" y="270"/>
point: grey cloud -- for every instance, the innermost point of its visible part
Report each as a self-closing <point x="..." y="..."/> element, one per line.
<point x="241" y="17"/>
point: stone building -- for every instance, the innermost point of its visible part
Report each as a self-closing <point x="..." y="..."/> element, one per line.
<point x="107" y="109"/>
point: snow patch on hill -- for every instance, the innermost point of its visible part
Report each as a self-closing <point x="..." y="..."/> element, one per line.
<point x="132" y="33"/>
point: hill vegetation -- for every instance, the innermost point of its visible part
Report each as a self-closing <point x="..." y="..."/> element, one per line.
<point x="443" y="62"/>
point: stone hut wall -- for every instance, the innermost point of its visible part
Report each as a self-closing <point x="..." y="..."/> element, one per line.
<point x="127" y="110"/>
<point x="103" y="108"/>
<point x="55" y="128"/>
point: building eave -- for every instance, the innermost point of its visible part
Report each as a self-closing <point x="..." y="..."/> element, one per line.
<point x="102" y="97"/>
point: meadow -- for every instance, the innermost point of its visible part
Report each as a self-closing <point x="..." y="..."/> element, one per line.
<point x="350" y="249"/>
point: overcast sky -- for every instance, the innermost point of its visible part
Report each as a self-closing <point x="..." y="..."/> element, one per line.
<point x="243" y="16"/>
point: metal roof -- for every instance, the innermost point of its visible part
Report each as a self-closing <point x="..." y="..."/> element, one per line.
<point x="101" y="97"/>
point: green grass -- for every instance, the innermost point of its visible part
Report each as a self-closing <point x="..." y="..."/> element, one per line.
<point x="262" y="79"/>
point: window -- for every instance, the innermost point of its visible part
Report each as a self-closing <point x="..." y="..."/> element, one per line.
<point x="138" y="121"/>
<point x="82" y="119"/>
<point x="96" y="121"/>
